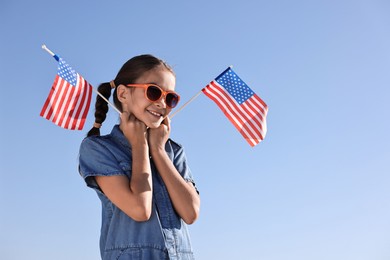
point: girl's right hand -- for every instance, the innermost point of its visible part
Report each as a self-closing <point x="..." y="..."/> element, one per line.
<point x="134" y="130"/>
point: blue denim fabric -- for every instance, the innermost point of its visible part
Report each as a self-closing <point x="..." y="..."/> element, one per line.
<point x="164" y="235"/>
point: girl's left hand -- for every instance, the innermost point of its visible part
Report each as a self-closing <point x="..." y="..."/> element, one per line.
<point x="159" y="136"/>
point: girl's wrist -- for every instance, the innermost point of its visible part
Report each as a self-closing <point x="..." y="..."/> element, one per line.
<point x="140" y="146"/>
<point x="157" y="150"/>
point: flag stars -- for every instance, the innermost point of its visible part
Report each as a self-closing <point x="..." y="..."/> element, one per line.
<point x="235" y="86"/>
<point x="67" y="73"/>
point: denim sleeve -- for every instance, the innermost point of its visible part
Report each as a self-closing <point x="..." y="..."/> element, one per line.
<point x="181" y="164"/>
<point x="96" y="159"/>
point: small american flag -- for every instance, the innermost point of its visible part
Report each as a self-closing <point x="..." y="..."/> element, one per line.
<point x="240" y="104"/>
<point x="70" y="96"/>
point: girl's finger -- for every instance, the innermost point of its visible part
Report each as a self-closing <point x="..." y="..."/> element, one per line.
<point x="166" y="121"/>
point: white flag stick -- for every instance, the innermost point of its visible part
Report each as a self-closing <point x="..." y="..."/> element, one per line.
<point x="108" y="102"/>
<point x="97" y="92"/>
<point x="183" y="106"/>
<point x="46" y="49"/>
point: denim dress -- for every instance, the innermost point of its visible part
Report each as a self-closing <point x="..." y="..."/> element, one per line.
<point x="164" y="235"/>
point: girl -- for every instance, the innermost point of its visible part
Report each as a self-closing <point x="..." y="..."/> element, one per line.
<point x="140" y="175"/>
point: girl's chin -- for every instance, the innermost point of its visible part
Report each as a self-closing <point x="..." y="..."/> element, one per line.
<point x="151" y="121"/>
<point x="153" y="124"/>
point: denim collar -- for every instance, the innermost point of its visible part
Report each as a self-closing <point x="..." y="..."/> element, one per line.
<point x="118" y="136"/>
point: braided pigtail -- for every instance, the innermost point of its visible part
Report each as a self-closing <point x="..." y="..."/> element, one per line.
<point x="101" y="108"/>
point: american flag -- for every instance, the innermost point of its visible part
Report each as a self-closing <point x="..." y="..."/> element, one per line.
<point x="70" y="96"/>
<point x="240" y="104"/>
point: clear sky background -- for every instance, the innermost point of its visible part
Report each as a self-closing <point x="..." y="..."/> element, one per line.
<point x="316" y="188"/>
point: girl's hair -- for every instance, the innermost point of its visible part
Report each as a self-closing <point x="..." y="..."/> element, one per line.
<point x="129" y="73"/>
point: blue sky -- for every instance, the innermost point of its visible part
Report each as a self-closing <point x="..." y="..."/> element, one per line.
<point x="316" y="188"/>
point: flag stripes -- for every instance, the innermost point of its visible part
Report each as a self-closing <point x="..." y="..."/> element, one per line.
<point x="67" y="106"/>
<point x="248" y="117"/>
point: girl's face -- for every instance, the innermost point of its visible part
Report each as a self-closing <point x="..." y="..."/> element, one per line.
<point x="151" y="113"/>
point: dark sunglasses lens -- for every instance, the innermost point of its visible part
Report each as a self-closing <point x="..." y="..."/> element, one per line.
<point x="153" y="93"/>
<point x="172" y="100"/>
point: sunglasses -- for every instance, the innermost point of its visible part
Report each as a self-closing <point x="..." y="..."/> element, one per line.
<point x="154" y="93"/>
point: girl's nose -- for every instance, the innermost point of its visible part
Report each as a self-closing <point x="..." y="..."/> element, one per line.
<point x="161" y="102"/>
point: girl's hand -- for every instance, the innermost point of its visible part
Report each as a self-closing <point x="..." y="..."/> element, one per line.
<point x="134" y="130"/>
<point x="159" y="136"/>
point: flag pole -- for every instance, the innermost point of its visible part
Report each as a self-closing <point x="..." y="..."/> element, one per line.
<point x="97" y="92"/>
<point x="108" y="102"/>
<point x="196" y="95"/>
<point x="183" y="106"/>
<point x="46" y="49"/>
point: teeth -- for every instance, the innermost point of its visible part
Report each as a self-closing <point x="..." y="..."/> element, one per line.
<point x="154" y="113"/>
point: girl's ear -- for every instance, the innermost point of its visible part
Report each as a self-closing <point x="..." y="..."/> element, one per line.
<point x="121" y="93"/>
